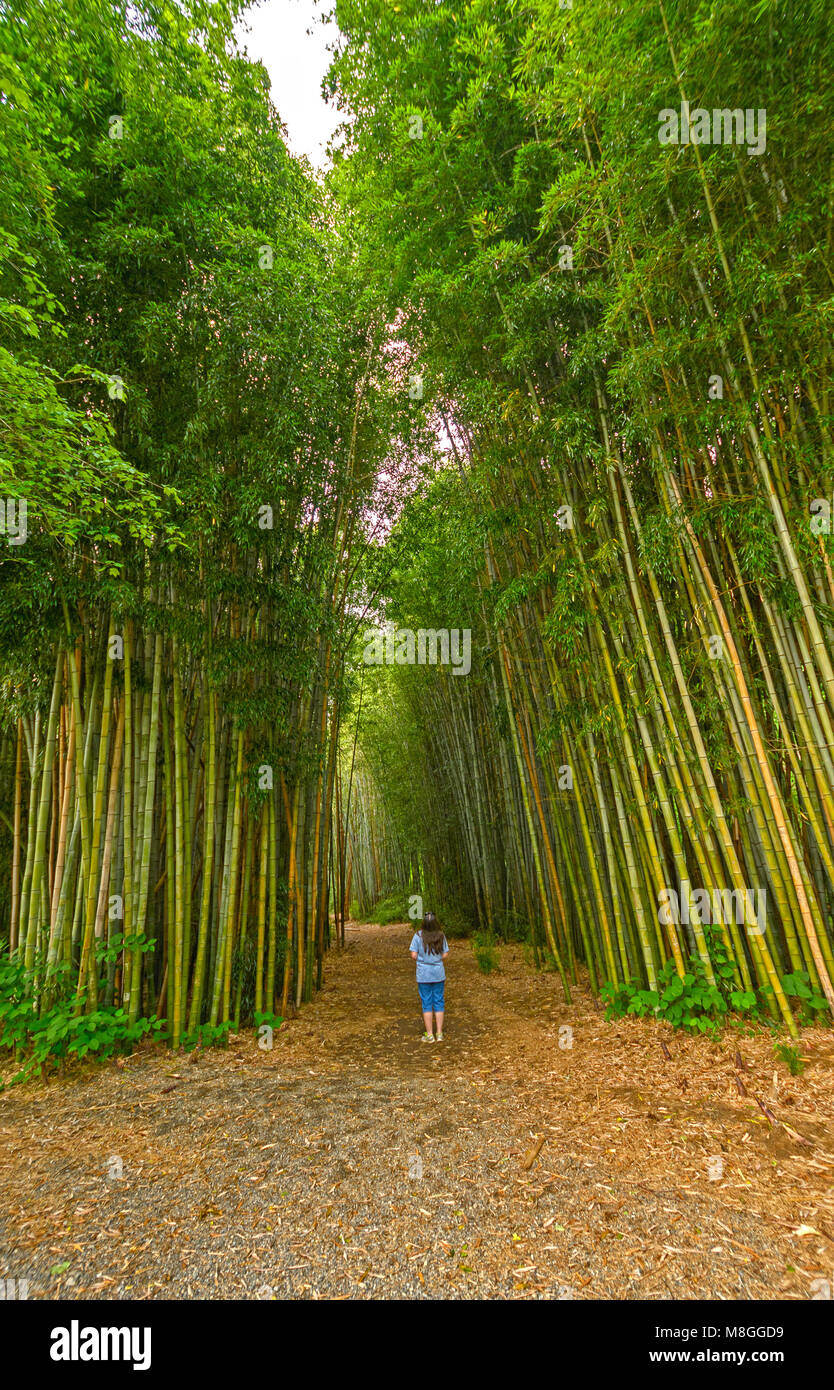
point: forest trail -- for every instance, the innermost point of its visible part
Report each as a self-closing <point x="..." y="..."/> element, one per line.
<point x="286" y="1173"/>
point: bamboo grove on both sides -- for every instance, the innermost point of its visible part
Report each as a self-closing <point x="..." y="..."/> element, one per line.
<point x="613" y="474"/>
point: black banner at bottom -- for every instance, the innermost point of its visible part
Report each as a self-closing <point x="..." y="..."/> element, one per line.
<point x="80" y="1341"/>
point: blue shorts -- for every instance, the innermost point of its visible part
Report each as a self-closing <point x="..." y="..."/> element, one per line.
<point x="431" y="996"/>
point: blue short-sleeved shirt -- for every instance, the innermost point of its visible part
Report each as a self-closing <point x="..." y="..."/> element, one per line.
<point x="430" y="968"/>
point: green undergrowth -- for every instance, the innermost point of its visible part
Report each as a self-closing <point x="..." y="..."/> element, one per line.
<point x="40" y="1042"/>
<point x="486" y="955"/>
<point x="692" y="1002"/>
<point x="455" y="923"/>
<point x="398" y="907"/>
<point x="791" y="1058"/>
<point x="393" y="907"/>
<point x="40" y="1038"/>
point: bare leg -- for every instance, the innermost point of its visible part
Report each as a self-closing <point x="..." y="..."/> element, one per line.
<point x="439" y="1018"/>
<point x="427" y="1021"/>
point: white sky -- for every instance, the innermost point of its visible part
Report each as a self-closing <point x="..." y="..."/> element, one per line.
<point x="275" y="32"/>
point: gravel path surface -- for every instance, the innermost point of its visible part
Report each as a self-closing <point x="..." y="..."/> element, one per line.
<point x="561" y="1157"/>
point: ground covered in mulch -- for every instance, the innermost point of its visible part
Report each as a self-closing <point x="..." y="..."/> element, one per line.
<point x="561" y="1156"/>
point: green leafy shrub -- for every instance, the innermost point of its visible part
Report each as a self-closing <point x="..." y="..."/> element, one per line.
<point x="687" y="1001"/>
<point x="265" y="1019"/>
<point x="207" y="1035"/>
<point x="692" y="1002"/>
<point x="486" y="956"/>
<point x="272" y="1020"/>
<point x="791" y="1058"/>
<point x="810" y="1004"/>
<point x="455" y="923"/>
<point x="59" y="1032"/>
<point x="392" y="908"/>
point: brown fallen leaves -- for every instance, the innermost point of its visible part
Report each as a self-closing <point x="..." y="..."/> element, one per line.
<point x="255" y="1151"/>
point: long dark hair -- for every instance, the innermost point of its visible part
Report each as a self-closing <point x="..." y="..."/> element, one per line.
<point x="432" y="935"/>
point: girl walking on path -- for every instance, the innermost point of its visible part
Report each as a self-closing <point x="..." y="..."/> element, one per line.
<point x="430" y="948"/>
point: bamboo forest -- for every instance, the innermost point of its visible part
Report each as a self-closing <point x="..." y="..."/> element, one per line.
<point x="425" y="537"/>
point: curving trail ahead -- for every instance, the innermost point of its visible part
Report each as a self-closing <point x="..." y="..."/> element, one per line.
<point x="287" y="1173"/>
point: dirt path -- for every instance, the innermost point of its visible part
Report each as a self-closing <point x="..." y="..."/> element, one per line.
<point x="291" y="1172"/>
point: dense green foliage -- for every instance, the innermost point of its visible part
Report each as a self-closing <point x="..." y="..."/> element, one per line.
<point x="517" y="369"/>
<point x="196" y="406"/>
<point x="51" y="1037"/>
<point x="626" y="345"/>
